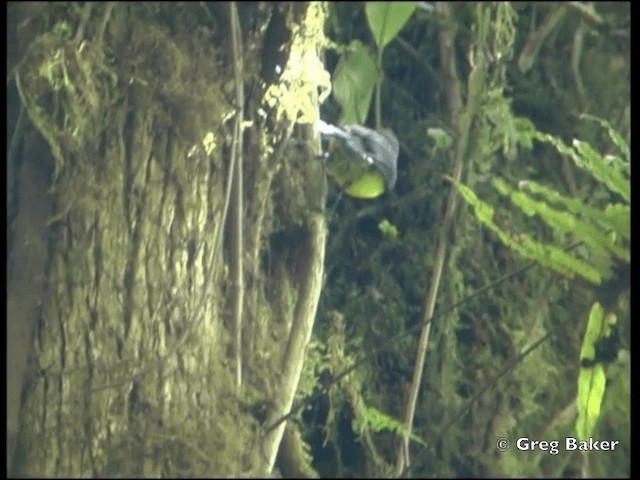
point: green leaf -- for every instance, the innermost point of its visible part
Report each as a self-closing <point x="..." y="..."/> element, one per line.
<point x="615" y="136"/>
<point x="483" y="210"/>
<point x="549" y="256"/>
<point x="591" y="387"/>
<point x="354" y="80"/>
<point x="592" y="380"/>
<point x="525" y="131"/>
<point x="441" y="138"/>
<point x="562" y="221"/>
<point x="613" y="178"/>
<point x="378" y="421"/>
<point x="615" y="217"/>
<point x="620" y="218"/>
<point x="388" y="229"/>
<point x="386" y="19"/>
<point x="611" y="171"/>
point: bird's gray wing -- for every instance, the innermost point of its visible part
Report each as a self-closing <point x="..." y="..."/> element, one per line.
<point x="378" y="148"/>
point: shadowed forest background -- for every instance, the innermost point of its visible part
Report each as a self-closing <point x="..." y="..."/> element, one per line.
<point x="189" y="294"/>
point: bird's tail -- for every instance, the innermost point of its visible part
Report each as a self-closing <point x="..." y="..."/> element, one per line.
<point x="331" y="131"/>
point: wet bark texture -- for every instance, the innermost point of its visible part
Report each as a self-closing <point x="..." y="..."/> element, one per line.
<point x="133" y="364"/>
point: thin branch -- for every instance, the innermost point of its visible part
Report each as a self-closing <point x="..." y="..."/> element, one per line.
<point x="588" y="12"/>
<point x="576" y="57"/>
<point x="84" y="19"/>
<point x="237" y="240"/>
<point x="378" y="97"/>
<point x="462" y="120"/>
<point x="105" y="20"/>
<point x="486" y="387"/>
<point x="369" y="356"/>
<point x="18" y="131"/>
<point x="537" y="38"/>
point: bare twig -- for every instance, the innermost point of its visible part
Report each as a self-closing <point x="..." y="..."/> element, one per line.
<point x="105" y="20"/>
<point x="84" y="19"/>
<point x="537" y="37"/>
<point x="587" y="11"/>
<point x="237" y="241"/>
<point x="16" y="138"/>
<point x="576" y="56"/>
<point x="462" y="119"/>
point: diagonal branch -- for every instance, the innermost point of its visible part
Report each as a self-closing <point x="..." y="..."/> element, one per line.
<point x="462" y="119"/>
<point x="236" y="263"/>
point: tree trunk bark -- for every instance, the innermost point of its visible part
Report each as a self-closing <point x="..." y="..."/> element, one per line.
<point x="134" y="367"/>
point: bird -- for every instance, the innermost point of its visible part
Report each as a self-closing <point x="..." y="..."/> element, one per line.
<point x="362" y="161"/>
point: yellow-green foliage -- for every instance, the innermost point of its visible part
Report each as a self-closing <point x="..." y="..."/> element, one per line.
<point x="305" y="82"/>
<point x="592" y="379"/>
<point x="604" y="230"/>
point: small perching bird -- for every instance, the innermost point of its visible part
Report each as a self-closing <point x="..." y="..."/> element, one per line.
<point x="364" y="162"/>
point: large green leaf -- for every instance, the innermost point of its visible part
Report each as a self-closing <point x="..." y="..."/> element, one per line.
<point x="592" y="379"/>
<point x="386" y="19"/>
<point x="355" y="78"/>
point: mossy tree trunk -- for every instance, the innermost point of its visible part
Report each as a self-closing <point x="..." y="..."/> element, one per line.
<point x="134" y="365"/>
